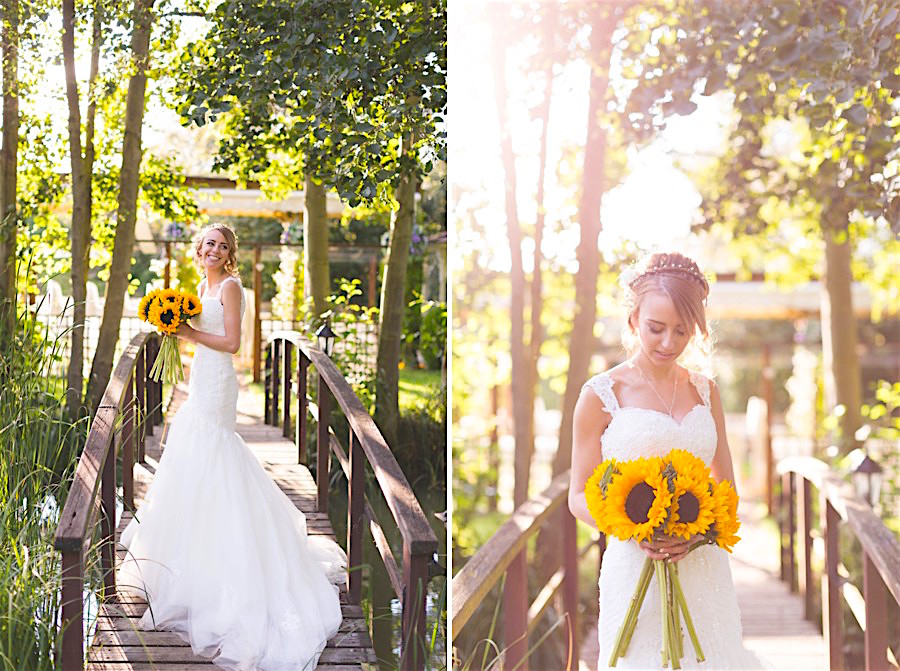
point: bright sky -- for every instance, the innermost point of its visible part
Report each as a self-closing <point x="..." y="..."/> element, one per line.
<point x="655" y="204"/>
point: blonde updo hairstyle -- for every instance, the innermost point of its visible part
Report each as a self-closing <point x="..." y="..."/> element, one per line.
<point x="231" y="267"/>
<point x="677" y="277"/>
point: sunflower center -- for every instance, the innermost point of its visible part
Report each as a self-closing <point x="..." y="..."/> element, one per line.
<point x="688" y="508"/>
<point x="167" y="317"/>
<point x="638" y="503"/>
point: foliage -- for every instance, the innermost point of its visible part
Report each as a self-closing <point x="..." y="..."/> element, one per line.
<point x="343" y="81"/>
<point x="812" y="148"/>
<point x="430" y="338"/>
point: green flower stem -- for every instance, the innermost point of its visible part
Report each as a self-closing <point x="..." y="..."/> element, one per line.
<point x="674" y="655"/>
<point x="644" y="583"/>
<point x="637" y="600"/>
<point x="661" y="582"/>
<point x="676" y="611"/>
<point x="689" y="623"/>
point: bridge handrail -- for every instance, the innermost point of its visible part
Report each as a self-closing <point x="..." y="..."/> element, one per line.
<point x="504" y="552"/>
<point x="880" y="550"/>
<point x="484" y="569"/>
<point x="401" y="501"/>
<point x="365" y="444"/>
<point x="129" y="391"/>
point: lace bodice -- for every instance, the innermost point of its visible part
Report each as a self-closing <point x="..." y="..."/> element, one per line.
<point x="213" y="386"/>
<point x="641" y="432"/>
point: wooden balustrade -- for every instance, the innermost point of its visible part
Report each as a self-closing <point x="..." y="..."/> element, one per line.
<point x="131" y="394"/>
<point x="505" y="554"/>
<point x="365" y="445"/>
<point x="839" y="508"/>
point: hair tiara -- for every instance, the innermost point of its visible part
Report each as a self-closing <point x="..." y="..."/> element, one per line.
<point x="631" y="276"/>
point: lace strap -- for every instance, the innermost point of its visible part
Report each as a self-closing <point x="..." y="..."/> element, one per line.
<point x="701" y="383"/>
<point x="602" y="385"/>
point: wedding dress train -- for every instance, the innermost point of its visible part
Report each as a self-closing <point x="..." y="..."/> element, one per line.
<point x="705" y="573"/>
<point x="218" y="550"/>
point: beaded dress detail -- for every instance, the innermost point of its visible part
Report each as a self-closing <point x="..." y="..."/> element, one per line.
<point x="705" y="573"/>
<point x="217" y="549"/>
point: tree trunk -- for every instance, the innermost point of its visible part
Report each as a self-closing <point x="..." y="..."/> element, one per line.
<point x="520" y="379"/>
<point x="316" y="277"/>
<point x="841" y="362"/>
<point x="9" y="155"/>
<point x="126" y="212"/>
<point x="80" y="231"/>
<point x="393" y="304"/>
<point x="581" y="339"/>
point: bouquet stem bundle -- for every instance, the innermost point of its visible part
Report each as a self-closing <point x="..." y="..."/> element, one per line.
<point x="674" y="607"/>
<point x="168" y="362"/>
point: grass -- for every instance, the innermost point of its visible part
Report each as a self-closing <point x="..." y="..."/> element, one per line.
<point x="38" y="446"/>
<point x="418" y="388"/>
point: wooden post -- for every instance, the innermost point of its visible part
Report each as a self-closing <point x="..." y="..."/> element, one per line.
<point x="167" y="272"/>
<point x="515" y="614"/>
<point x="415" y="581"/>
<point x="287" y="377"/>
<point x="276" y="379"/>
<point x="875" y="595"/>
<point x="792" y="530"/>
<point x="804" y="530"/>
<point x="141" y="402"/>
<point x="768" y="390"/>
<point x="129" y="448"/>
<point x="108" y="518"/>
<point x="157" y="389"/>
<point x="355" y="512"/>
<point x="570" y="582"/>
<point x="323" y="447"/>
<point x="301" y="405"/>
<point x="267" y="382"/>
<point x="257" y="310"/>
<point x="72" y="608"/>
<point x="373" y="274"/>
<point x="832" y="618"/>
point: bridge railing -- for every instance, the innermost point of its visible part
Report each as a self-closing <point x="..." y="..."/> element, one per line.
<point x="505" y="554"/>
<point x="365" y="445"/>
<point x="137" y="399"/>
<point x="839" y="508"/>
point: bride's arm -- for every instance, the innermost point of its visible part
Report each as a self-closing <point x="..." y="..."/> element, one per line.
<point x="589" y="424"/>
<point x="721" y="467"/>
<point x="231" y="341"/>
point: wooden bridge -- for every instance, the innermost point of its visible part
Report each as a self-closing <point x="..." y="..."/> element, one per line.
<point x="775" y="571"/>
<point x="280" y="445"/>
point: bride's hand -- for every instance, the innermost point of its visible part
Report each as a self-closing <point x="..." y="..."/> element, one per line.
<point x="673" y="549"/>
<point x="185" y="332"/>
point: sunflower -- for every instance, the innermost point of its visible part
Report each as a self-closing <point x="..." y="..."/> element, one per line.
<point x="170" y="297"/>
<point x="595" y="493"/>
<point x="165" y="317"/>
<point x="191" y="305"/>
<point x="637" y="499"/>
<point x="692" y="505"/>
<point x="144" y="307"/>
<point x="724" y="510"/>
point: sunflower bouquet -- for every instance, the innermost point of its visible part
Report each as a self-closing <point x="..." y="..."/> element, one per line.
<point x="167" y="309"/>
<point x="650" y="499"/>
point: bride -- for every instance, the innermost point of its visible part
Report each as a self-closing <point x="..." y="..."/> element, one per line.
<point x="646" y="407"/>
<point x="217" y="549"/>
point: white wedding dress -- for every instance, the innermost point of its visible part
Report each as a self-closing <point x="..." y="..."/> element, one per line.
<point x="705" y="574"/>
<point x="218" y="550"/>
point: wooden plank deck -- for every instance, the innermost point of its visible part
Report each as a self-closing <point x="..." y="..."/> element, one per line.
<point x="118" y="644"/>
<point x="772" y="617"/>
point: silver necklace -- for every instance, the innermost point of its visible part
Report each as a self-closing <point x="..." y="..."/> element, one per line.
<point x="669" y="408"/>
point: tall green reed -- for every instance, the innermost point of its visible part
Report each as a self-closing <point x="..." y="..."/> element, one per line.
<point x="38" y="449"/>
